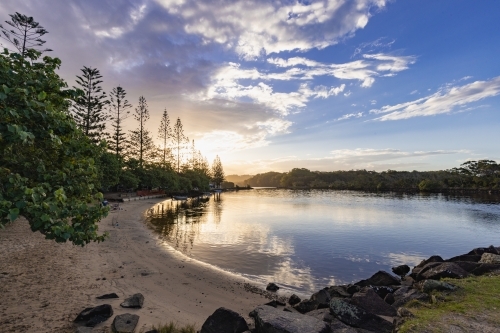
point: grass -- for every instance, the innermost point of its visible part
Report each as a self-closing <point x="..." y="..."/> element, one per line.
<point x="476" y="302"/>
<point x="173" y="328"/>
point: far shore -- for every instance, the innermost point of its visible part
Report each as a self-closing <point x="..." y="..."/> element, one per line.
<point x="44" y="285"/>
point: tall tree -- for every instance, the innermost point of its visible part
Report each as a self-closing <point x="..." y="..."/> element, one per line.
<point x="119" y="112"/>
<point x="179" y="139"/>
<point x="24" y="33"/>
<point x="217" y="172"/>
<point x="141" y="144"/>
<point x="88" y="109"/>
<point x="165" y="133"/>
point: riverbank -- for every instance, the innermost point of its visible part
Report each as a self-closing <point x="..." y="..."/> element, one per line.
<point x="44" y="285"/>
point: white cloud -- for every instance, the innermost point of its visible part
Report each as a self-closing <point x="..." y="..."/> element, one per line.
<point x="350" y="115"/>
<point x="256" y="27"/>
<point x="444" y="101"/>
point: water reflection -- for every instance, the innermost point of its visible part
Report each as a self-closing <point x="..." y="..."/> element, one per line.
<point x="306" y="240"/>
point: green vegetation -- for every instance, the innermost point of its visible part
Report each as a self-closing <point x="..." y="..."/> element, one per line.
<point x="476" y="300"/>
<point x="174" y="328"/>
<point x="483" y="174"/>
<point x="47" y="165"/>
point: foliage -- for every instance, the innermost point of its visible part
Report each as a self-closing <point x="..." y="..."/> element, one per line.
<point x="483" y="174"/>
<point x="47" y="169"/>
<point x="24" y="33"/>
<point x="108" y="167"/>
<point x="178" y="139"/>
<point x="119" y="112"/>
<point x="217" y="172"/>
<point x="88" y="108"/>
<point x="141" y="145"/>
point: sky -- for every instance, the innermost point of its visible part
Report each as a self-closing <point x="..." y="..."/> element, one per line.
<point x="273" y="85"/>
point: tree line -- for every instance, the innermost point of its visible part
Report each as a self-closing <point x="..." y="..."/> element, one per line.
<point x="482" y="174"/>
<point x="55" y="153"/>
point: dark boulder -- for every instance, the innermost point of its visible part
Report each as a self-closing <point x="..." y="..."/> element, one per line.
<point x="372" y="303"/>
<point x="356" y="316"/>
<point x="135" y="301"/>
<point x="306" y="305"/>
<point x="93" y="316"/>
<point x="108" y="296"/>
<point x="383" y="290"/>
<point x="429" y="285"/>
<point x="125" y="323"/>
<point x="224" y="321"/>
<point x="401" y="270"/>
<point x="467" y="266"/>
<point x="294" y="299"/>
<point x="389" y="299"/>
<point x="465" y="257"/>
<point x="272" y="287"/>
<point x="271" y="320"/>
<point x="481" y="250"/>
<point x="429" y="260"/>
<point x="486" y="268"/>
<point x="444" y="270"/>
<point x="418" y="271"/>
<point x="352" y="289"/>
<point x="381" y="278"/>
<point x="321" y="314"/>
<point x="318" y="300"/>
<point x="340" y="291"/>
<point x="406" y="294"/>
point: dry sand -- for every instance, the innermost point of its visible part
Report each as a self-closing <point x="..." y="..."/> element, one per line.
<point x="44" y="285"/>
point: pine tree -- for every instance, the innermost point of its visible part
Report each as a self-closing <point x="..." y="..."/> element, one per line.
<point x="88" y="109"/>
<point x="119" y="112"/>
<point x="217" y="172"/>
<point x="165" y="133"/>
<point x="25" y="33"/>
<point x="179" y="139"/>
<point x="141" y="144"/>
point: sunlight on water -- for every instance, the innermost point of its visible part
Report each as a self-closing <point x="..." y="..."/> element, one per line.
<point x="306" y="240"/>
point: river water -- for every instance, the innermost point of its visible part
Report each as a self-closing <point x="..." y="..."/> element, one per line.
<point x="306" y="240"/>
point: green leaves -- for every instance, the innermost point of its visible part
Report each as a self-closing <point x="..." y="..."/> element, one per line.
<point x="13" y="214"/>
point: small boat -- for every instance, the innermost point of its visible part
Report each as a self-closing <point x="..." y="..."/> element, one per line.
<point x="218" y="190"/>
<point x="180" y="197"/>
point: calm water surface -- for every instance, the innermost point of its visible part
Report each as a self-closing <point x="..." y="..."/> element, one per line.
<point x="306" y="240"/>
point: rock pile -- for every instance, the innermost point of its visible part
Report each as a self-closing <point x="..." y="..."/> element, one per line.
<point x="373" y="305"/>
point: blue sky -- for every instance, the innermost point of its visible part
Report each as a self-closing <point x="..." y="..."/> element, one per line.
<point x="272" y="85"/>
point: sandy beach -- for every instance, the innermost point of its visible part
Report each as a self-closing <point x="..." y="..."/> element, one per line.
<point x="44" y="285"/>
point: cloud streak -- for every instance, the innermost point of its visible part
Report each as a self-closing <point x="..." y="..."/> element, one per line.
<point x="444" y="101"/>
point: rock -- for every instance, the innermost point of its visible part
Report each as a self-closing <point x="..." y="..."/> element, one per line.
<point x="465" y="257"/>
<point x="321" y="314"/>
<point x="83" y="329"/>
<point x="382" y="291"/>
<point x="125" y="323"/>
<point x="339" y="327"/>
<point x="405" y="313"/>
<point x="340" y="291"/>
<point x="93" y="316"/>
<point x="418" y="271"/>
<point x="321" y="297"/>
<point x="108" y="296"/>
<point x="368" y="300"/>
<point x="406" y="294"/>
<point x="224" y="321"/>
<point x="481" y="250"/>
<point x="273" y="303"/>
<point x="467" y="266"/>
<point x="290" y="309"/>
<point x="306" y="306"/>
<point x="134" y="301"/>
<point x="271" y="320"/>
<point x="408" y="281"/>
<point x="354" y="315"/>
<point x="401" y="270"/>
<point x="429" y="285"/>
<point x="444" y="270"/>
<point x="152" y="331"/>
<point x="272" y="287"/>
<point x="429" y="260"/>
<point x="380" y="278"/>
<point x="294" y="299"/>
<point x="486" y="268"/>
<point x="352" y="289"/>
<point x="490" y="258"/>
<point x="389" y="299"/>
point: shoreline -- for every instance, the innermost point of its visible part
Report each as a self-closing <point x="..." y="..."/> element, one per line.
<point x="45" y="284"/>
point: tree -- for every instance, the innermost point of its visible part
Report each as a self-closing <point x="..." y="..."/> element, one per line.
<point x="217" y="172"/>
<point x="24" y="33"/>
<point x="47" y="169"/>
<point x="179" y="139"/>
<point x="119" y="112"/>
<point x="165" y="133"/>
<point x="141" y="144"/>
<point x="89" y="112"/>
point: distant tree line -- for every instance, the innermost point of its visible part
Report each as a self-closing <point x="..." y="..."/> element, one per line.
<point x="483" y="174"/>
